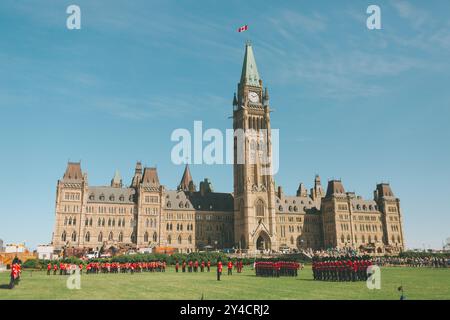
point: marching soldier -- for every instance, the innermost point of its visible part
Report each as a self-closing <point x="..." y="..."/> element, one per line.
<point x="230" y="268"/>
<point x="49" y="268"/>
<point x="219" y="269"/>
<point x="177" y="265"/>
<point x="183" y="266"/>
<point x="208" y="265"/>
<point x="202" y="266"/>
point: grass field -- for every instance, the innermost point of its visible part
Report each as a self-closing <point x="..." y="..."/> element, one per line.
<point x="422" y="283"/>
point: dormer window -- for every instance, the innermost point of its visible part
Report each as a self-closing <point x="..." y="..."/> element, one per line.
<point x="169" y="204"/>
<point x="122" y="198"/>
<point x="91" y="196"/>
<point x="111" y="198"/>
<point x="280" y="208"/>
<point x="181" y="205"/>
<point x="102" y="197"/>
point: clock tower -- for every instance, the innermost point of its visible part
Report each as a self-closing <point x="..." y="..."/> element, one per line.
<point x="254" y="187"/>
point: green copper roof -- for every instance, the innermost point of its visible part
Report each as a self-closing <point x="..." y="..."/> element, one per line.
<point x="250" y="73"/>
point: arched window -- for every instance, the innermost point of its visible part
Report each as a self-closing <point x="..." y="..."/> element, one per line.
<point x="342" y="239"/>
<point x="121" y="237"/>
<point x="109" y="222"/>
<point x="99" y="222"/>
<point x="169" y="239"/>
<point x="114" y="222"/>
<point x="171" y="227"/>
<point x="100" y="237"/>
<point x="363" y="239"/>
<point x="90" y="222"/>
<point x="74" y="236"/>
<point x="87" y="237"/>
<point x="190" y="239"/>
<point x="70" y="221"/>
<point x="63" y="236"/>
<point x="119" y="224"/>
<point x="146" y="237"/>
<point x="155" y="236"/>
<point x="292" y="240"/>
<point x="179" y="239"/>
<point x="259" y="208"/>
<point x="103" y="222"/>
<point x="65" y="221"/>
<point x="111" y="236"/>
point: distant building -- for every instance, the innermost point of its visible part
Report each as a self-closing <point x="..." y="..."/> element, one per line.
<point x="15" y="248"/>
<point x="45" y="252"/>
<point x="1" y="246"/>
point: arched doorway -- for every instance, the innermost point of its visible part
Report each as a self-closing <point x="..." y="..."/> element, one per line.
<point x="263" y="241"/>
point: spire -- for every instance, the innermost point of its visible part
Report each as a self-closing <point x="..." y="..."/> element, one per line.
<point x="235" y="102"/>
<point x="302" y="191"/>
<point x="116" y="182"/>
<point x="250" y="73"/>
<point x="186" y="183"/>
<point x="137" y="174"/>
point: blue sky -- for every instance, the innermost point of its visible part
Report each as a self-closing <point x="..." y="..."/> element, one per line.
<point x="364" y="106"/>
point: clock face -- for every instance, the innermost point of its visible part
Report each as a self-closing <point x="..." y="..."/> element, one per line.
<point x="253" y="96"/>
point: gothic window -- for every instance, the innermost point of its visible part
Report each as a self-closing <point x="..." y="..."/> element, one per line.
<point x="146" y="237"/>
<point x="119" y="224"/>
<point x="70" y="221"/>
<point x="87" y="237"/>
<point x="99" y="222"/>
<point x="155" y="237"/>
<point x="65" y="221"/>
<point x="100" y="237"/>
<point x="74" y="236"/>
<point x="363" y="239"/>
<point x="179" y="239"/>
<point x="181" y="227"/>
<point x="292" y="240"/>
<point x="63" y="236"/>
<point x="169" y="239"/>
<point x="147" y="223"/>
<point x="114" y="222"/>
<point x="171" y="226"/>
<point x="111" y="236"/>
<point x="109" y="222"/>
<point x="259" y="208"/>
<point x="103" y="222"/>
<point x="86" y="222"/>
<point x="121" y="237"/>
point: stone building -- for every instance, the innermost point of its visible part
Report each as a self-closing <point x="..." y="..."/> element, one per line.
<point x="256" y="216"/>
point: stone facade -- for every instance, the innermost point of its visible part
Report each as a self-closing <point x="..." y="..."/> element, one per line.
<point x="256" y="216"/>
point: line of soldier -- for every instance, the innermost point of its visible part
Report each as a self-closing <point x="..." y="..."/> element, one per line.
<point x="276" y="269"/>
<point x="345" y="268"/>
<point x="193" y="266"/>
<point x="107" y="267"/>
<point x="416" y="262"/>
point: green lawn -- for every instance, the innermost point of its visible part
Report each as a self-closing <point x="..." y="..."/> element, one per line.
<point x="422" y="283"/>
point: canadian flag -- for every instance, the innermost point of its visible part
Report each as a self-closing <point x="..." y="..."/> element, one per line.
<point x="243" y="28"/>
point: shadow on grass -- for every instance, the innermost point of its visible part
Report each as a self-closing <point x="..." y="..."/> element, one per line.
<point x="4" y="286"/>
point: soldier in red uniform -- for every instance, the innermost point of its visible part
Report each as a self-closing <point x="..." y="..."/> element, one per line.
<point x="202" y="266"/>
<point x="230" y="268"/>
<point x="208" y="265"/>
<point x="81" y="268"/>
<point x="177" y="265"/>
<point x="183" y="266"/>
<point x="219" y="269"/>
<point x="190" y="265"/>
<point x="49" y="267"/>
<point x="196" y="266"/>
<point x="15" y="275"/>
